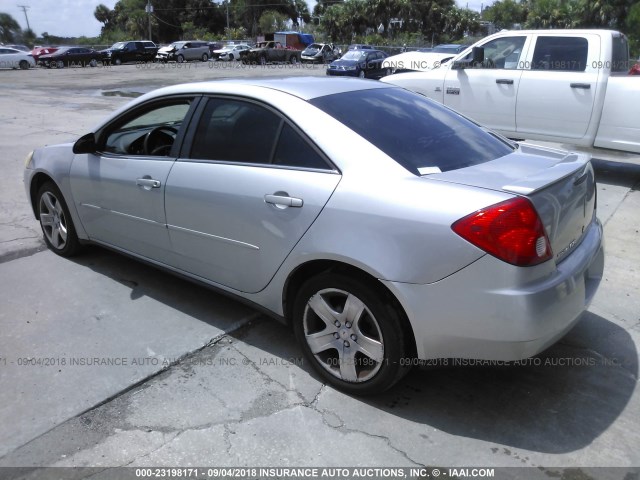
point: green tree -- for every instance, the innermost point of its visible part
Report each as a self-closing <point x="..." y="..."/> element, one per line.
<point x="9" y="28"/>
<point x="272" y="21"/>
<point x="505" y="13"/>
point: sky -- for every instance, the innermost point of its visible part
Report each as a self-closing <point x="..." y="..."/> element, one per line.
<point x="74" y="18"/>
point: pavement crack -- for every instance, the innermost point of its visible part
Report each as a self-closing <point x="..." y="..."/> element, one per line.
<point x="150" y="452"/>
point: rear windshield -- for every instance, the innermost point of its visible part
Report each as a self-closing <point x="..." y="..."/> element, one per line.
<point x="416" y="132"/>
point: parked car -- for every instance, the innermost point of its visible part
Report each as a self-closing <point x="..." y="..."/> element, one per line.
<point x="369" y="217"/>
<point x="359" y="46"/>
<point x="184" y="51"/>
<point x="70" y="57"/>
<point x="37" y="51"/>
<point x="22" y="48"/>
<point x="12" y="58"/>
<point x="131" y="51"/>
<point x="360" y="63"/>
<point x="232" y="52"/>
<point x="270" y="52"/>
<point x="563" y="86"/>
<point x="319" y="53"/>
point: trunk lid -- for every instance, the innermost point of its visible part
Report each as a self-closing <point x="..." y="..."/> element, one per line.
<point x="560" y="185"/>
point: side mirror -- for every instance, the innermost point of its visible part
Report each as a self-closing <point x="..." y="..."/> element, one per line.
<point x="85" y="144"/>
<point x="478" y="57"/>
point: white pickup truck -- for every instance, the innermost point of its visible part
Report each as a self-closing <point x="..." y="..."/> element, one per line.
<point x="567" y="86"/>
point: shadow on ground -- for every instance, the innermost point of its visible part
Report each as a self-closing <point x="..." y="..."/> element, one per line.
<point x="558" y="402"/>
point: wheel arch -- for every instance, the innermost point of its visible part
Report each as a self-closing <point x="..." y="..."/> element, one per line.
<point x="37" y="181"/>
<point x="314" y="267"/>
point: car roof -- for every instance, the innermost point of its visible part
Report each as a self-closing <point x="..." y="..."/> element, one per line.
<point x="302" y="87"/>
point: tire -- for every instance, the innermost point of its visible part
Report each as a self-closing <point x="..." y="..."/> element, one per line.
<point x="387" y="72"/>
<point x="180" y="59"/>
<point x="24" y="65"/>
<point x="361" y="74"/>
<point x="93" y="62"/>
<point x="117" y="61"/>
<point x="231" y="57"/>
<point x="59" y="64"/>
<point x="205" y="57"/>
<point x="294" y="60"/>
<point x="360" y="351"/>
<point x="263" y="60"/>
<point x="55" y="221"/>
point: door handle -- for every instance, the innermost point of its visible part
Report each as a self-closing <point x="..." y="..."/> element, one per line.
<point x="148" y="183"/>
<point x="283" y="201"/>
<point x="504" y="81"/>
<point x="585" y="86"/>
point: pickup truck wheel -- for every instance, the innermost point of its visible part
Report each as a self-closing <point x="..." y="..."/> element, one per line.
<point x="117" y="61"/>
<point x="205" y="57"/>
<point x="180" y="59"/>
<point x="24" y="65"/>
<point x="263" y="60"/>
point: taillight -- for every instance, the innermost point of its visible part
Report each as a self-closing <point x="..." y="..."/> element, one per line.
<point x="511" y="231"/>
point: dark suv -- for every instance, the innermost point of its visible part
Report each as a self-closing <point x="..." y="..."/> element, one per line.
<point x="134" y="51"/>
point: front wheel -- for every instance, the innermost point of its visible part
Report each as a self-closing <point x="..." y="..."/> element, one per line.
<point x="205" y="57"/>
<point x="55" y="220"/>
<point x="24" y="65"/>
<point x="350" y="334"/>
<point x="117" y="61"/>
<point x="294" y="60"/>
<point x="59" y="64"/>
<point x="263" y="60"/>
<point x="361" y="74"/>
<point x="180" y="59"/>
<point x="93" y="62"/>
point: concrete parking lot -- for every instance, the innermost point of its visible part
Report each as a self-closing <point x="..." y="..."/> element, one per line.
<point x="105" y="361"/>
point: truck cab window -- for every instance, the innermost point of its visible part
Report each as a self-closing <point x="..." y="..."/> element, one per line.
<point x="568" y="54"/>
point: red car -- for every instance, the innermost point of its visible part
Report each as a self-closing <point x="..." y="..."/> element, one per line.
<point x="37" y="51"/>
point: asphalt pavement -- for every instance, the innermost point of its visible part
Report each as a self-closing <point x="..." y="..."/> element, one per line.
<point x="105" y="361"/>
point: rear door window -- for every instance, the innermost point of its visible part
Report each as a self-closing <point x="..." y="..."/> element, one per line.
<point x="567" y="54"/>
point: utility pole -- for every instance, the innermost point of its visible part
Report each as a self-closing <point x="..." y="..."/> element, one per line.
<point x="227" y="3"/>
<point x="24" y="9"/>
<point x="149" y="10"/>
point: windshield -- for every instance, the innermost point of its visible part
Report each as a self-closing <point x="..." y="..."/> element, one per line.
<point x="314" y="46"/>
<point x="447" y="49"/>
<point x="419" y="134"/>
<point x="118" y="46"/>
<point x="176" y="45"/>
<point x="353" y="55"/>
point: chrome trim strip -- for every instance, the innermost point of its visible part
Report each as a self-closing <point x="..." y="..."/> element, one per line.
<point x="133" y="217"/>
<point x="215" y="237"/>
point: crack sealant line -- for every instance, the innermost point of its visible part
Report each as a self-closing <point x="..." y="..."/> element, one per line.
<point x="229" y="330"/>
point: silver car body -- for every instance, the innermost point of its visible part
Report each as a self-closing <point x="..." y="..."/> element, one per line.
<point x="231" y="52"/>
<point x="13" y="58"/>
<point x="188" y="50"/>
<point x="209" y="221"/>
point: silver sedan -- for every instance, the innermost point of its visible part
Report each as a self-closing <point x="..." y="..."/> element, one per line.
<point x="384" y="227"/>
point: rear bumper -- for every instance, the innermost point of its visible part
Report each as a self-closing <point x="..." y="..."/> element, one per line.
<point x="494" y="311"/>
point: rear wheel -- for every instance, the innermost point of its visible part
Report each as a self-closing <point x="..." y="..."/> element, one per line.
<point x="24" y="65"/>
<point x="351" y="335"/>
<point x="55" y="220"/>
